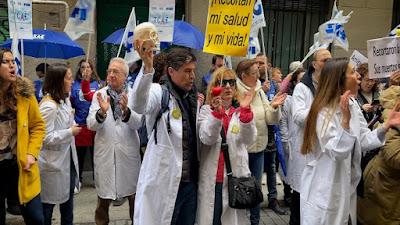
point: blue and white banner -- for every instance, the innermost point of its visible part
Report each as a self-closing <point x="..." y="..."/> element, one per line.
<point x="20" y="18"/>
<point x="258" y="18"/>
<point x="254" y="47"/>
<point x="17" y="56"/>
<point x="162" y="15"/>
<point x="127" y="40"/>
<point x="81" y="20"/>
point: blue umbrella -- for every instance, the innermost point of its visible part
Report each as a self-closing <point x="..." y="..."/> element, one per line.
<point x="185" y="35"/>
<point x="49" y="44"/>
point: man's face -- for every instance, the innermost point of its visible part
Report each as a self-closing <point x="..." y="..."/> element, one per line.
<point x="218" y="63"/>
<point x="116" y="75"/>
<point x="321" y="57"/>
<point x="262" y="65"/>
<point x="184" y="76"/>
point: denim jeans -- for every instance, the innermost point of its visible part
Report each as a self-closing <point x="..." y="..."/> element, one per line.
<point x="270" y="169"/>
<point x="66" y="208"/>
<point x="31" y="211"/>
<point x="217" y="204"/>
<point x="185" y="204"/>
<point x="256" y="165"/>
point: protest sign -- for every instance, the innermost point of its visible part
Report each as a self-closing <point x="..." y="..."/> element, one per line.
<point x="81" y="20"/>
<point x="162" y="14"/>
<point x="20" y="18"/>
<point x="357" y="58"/>
<point x="383" y="56"/>
<point x="228" y="27"/>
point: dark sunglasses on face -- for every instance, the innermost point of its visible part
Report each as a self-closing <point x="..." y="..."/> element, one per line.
<point x="231" y="82"/>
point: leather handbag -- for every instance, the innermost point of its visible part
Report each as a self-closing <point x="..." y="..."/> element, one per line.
<point x="243" y="192"/>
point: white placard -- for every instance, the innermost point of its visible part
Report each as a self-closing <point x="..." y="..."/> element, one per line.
<point x="357" y="58"/>
<point x="162" y="14"/>
<point x="383" y="56"/>
<point x="20" y="18"/>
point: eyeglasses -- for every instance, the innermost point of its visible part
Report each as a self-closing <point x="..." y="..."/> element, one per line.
<point x="113" y="71"/>
<point x="231" y="82"/>
<point x="5" y="61"/>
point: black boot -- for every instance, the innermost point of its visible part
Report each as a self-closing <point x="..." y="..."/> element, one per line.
<point x="274" y="205"/>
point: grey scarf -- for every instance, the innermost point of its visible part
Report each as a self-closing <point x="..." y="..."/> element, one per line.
<point x="115" y="97"/>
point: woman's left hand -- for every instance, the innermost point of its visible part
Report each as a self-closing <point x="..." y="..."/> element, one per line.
<point x="247" y="98"/>
<point x="393" y="119"/>
<point x="278" y="100"/>
<point x="30" y="160"/>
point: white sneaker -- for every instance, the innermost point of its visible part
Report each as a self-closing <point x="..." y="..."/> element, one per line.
<point x="78" y="189"/>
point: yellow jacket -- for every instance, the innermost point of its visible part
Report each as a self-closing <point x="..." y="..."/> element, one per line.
<point x="30" y="131"/>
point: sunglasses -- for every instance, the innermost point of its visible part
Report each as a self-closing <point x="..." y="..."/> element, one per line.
<point x="231" y="82"/>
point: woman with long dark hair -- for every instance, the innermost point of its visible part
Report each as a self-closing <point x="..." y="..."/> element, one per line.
<point x="335" y="135"/>
<point x="86" y="80"/>
<point x="58" y="159"/>
<point x="21" y="135"/>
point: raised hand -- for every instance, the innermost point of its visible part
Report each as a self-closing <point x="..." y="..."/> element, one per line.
<point x="146" y="55"/>
<point x="123" y="102"/>
<point x="278" y="100"/>
<point x="200" y="98"/>
<point x="216" y="103"/>
<point x="247" y="98"/>
<point x="104" y="104"/>
<point x="393" y="119"/>
<point x="344" y="107"/>
<point x="266" y="86"/>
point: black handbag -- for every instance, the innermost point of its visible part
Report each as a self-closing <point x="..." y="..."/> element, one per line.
<point x="243" y="192"/>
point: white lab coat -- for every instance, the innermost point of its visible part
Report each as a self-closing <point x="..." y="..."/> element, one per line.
<point x="161" y="170"/>
<point x="328" y="195"/>
<point x="58" y="148"/>
<point x="302" y="99"/>
<point x="116" y="152"/>
<point x="238" y="140"/>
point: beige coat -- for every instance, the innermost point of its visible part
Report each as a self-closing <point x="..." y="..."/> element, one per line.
<point x="264" y="115"/>
<point x="381" y="202"/>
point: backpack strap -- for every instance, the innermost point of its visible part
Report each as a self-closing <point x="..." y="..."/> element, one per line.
<point x="163" y="109"/>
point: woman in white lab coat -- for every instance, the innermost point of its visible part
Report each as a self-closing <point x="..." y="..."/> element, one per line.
<point x="221" y="112"/>
<point x="335" y="135"/>
<point x="58" y="160"/>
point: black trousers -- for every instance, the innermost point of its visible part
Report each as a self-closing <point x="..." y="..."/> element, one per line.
<point x="295" y="209"/>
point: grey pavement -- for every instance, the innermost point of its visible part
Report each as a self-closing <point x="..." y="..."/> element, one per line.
<point x="85" y="206"/>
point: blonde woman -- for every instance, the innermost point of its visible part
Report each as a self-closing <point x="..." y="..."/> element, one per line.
<point x="223" y="112"/>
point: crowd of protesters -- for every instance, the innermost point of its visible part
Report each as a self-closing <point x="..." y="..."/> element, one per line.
<point x="329" y="132"/>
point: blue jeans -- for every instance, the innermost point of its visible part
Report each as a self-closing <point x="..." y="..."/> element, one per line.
<point x="270" y="169"/>
<point x="185" y="204"/>
<point x="33" y="212"/>
<point x="217" y="204"/>
<point x="256" y="165"/>
<point x="66" y="208"/>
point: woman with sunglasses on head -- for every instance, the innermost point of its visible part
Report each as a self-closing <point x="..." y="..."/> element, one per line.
<point x="19" y="117"/>
<point x="86" y="81"/>
<point x="58" y="159"/>
<point x="335" y="135"/>
<point x="223" y="112"/>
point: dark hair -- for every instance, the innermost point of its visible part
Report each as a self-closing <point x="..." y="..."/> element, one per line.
<point x="244" y="66"/>
<point x="54" y="81"/>
<point x="215" y="57"/>
<point x="42" y="67"/>
<point x="10" y="99"/>
<point x="160" y="63"/>
<point x="177" y="57"/>
<point x="330" y="87"/>
<point x="293" y="80"/>
<point x="363" y="71"/>
<point x="95" y="76"/>
<point x="260" y="54"/>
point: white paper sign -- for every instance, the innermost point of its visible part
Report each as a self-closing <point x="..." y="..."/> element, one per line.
<point x="20" y="18"/>
<point x="383" y="56"/>
<point x="162" y="14"/>
<point x="357" y="58"/>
